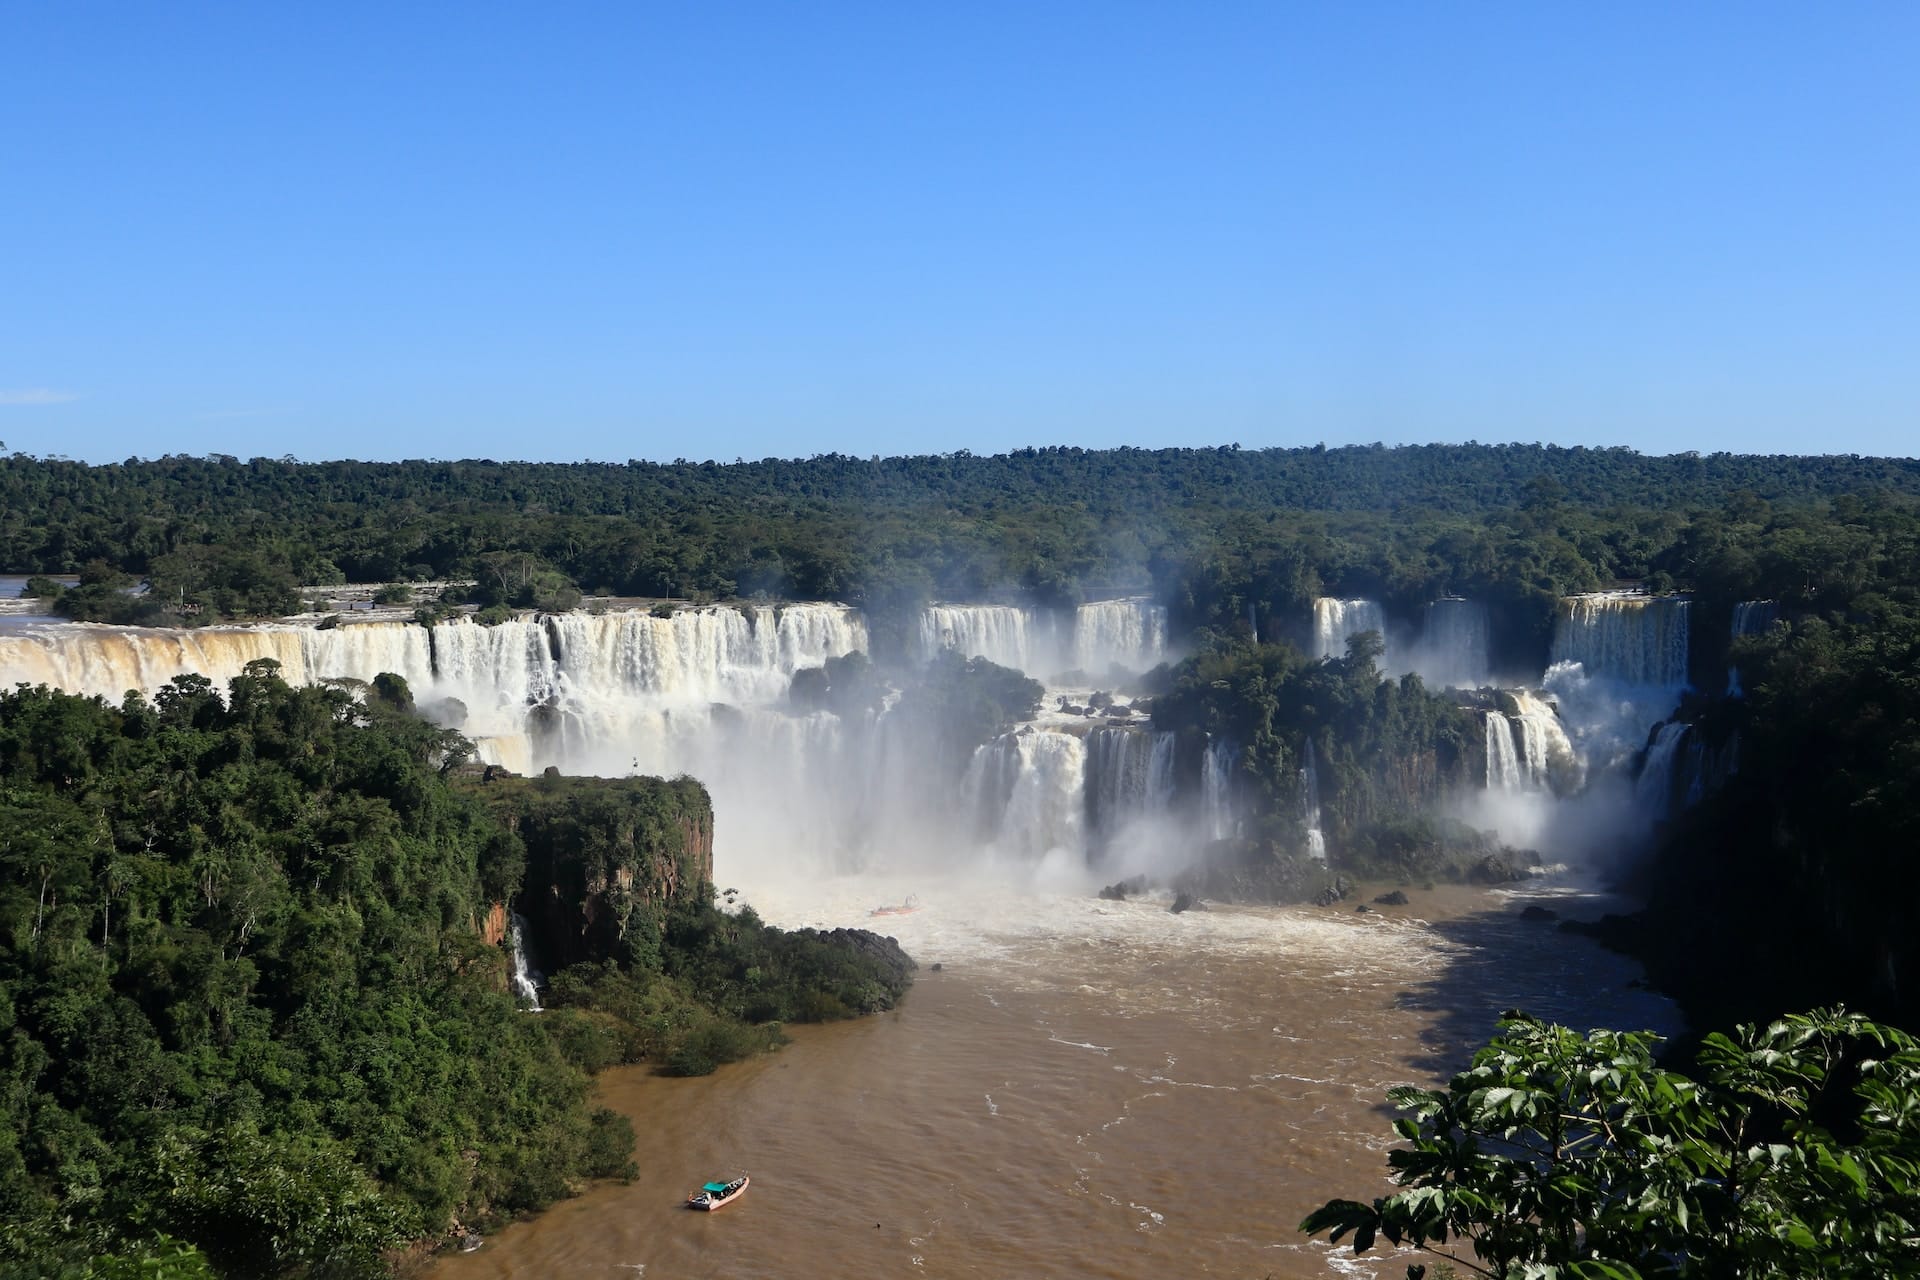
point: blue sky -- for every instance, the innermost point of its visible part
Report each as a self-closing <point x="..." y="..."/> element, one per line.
<point x="638" y="231"/>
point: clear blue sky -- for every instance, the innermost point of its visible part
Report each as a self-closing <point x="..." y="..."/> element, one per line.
<point x="639" y="231"/>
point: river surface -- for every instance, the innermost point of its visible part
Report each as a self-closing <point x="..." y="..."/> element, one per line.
<point x="1085" y="1088"/>
<point x="18" y="611"/>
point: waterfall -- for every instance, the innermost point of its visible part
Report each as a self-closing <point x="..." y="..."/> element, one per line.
<point x="1653" y="790"/>
<point x="1640" y="640"/>
<point x="1160" y="779"/>
<point x="723" y="654"/>
<point x="988" y="785"/>
<point x="1129" y="775"/>
<point x="1336" y="620"/>
<point x="526" y="979"/>
<point x="1544" y="745"/>
<point x="1453" y="644"/>
<point x="1217" y="816"/>
<point x="1130" y="633"/>
<point x="1001" y="634"/>
<point x="1529" y="750"/>
<point x="105" y="662"/>
<point x="1310" y="786"/>
<point x="1503" y="761"/>
<point x="1750" y="618"/>
<point x="702" y="692"/>
<point x="1754" y="617"/>
<point x="1045" y="805"/>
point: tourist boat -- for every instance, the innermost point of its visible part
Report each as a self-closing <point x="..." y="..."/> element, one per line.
<point x="907" y="908"/>
<point x="718" y="1195"/>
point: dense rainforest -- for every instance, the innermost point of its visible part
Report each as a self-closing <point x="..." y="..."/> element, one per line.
<point x="254" y="1008"/>
<point x="1787" y="885"/>
<point x="1214" y="532"/>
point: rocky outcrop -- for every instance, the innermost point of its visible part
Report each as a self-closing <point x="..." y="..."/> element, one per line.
<point x="605" y="859"/>
<point x="1226" y="874"/>
<point x="1494" y="869"/>
<point x="493" y="930"/>
<point x="881" y="949"/>
<point x="1339" y="889"/>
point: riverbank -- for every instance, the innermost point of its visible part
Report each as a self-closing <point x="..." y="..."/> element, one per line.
<point x="1083" y="1087"/>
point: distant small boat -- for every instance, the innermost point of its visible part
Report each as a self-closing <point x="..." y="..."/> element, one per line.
<point x="718" y="1195"/>
<point x="907" y="908"/>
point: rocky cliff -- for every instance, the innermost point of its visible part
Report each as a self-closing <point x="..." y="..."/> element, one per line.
<point x="606" y="858"/>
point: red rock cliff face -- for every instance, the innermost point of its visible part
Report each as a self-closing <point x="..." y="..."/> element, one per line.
<point x="494" y="928"/>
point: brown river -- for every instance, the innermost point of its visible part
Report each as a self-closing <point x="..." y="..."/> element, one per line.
<point x="1085" y="1088"/>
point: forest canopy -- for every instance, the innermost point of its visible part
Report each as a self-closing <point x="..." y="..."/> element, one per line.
<point x="252" y="1022"/>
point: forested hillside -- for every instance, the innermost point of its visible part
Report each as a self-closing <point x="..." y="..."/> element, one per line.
<point x="254" y="1013"/>
<point x="1057" y="523"/>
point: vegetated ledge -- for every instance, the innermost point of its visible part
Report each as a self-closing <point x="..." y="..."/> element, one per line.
<point x="253" y="972"/>
<point x="613" y="880"/>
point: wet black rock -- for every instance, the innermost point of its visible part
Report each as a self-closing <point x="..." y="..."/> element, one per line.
<point x="1394" y="899"/>
<point x="1184" y="902"/>
<point x="1537" y="912"/>
<point x="1120" y="891"/>
<point x="1340" y="888"/>
<point x="1493" y="869"/>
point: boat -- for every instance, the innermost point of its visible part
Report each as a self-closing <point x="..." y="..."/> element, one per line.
<point x="718" y="1195"/>
<point x="907" y="908"/>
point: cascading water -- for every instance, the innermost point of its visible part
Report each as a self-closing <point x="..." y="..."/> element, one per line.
<point x="1129" y="776"/>
<point x="1640" y="640"/>
<point x="1754" y="617"/>
<point x="704" y="692"/>
<point x="1620" y="662"/>
<point x="526" y="979"/>
<point x="1504" y="772"/>
<point x="1046" y="805"/>
<point x="1131" y="634"/>
<point x="1217" y="816"/>
<point x="1453" y="648"/>
<point x="1653" y="790"/>
<point x="988" y="786"/>
<point x="1310" y="786"/>
<point x="1001" y="634"/>
<point x="1334" y="621"/>
<point x="1750" y="618"/>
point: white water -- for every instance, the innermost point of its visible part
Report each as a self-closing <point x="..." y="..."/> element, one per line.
<point x="1001" y="634"/>
<point x="1453" y="646"/>
<point x="1503" y="761"/>
<point x="1754" y="617"/>
<point x="703" y="692"/>
<point x="1750" y="618"/>
<point x="1635" y="639"/>
<point x="526" y="982"/>
<point x="1653" y="790"/>
<point x="1129" y="633"/>
<point x="1217" y="816"/>
<point x="1334" y="621"/>
<point x="1129" y="776"/>
<point x="1310" y="783"/>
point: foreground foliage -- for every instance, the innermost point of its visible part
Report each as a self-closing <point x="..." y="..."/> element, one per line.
<point x="249" y="1025"/>
<point x="1796" y="1153"/>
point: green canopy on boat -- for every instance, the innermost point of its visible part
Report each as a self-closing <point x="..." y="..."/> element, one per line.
<point x="715" y="1187"/>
